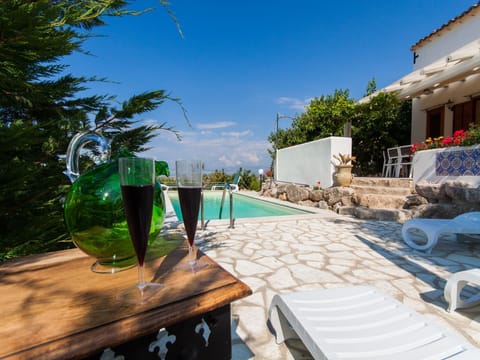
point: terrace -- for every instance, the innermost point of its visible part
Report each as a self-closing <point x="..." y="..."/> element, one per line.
<point x="328" y="250"/>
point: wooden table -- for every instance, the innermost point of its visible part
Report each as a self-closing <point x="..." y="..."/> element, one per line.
<point x="53" y="307"/>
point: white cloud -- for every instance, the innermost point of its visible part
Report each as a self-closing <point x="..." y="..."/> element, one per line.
<point x="294" y="103"/>
<point x="237" y="134"/>
<point x="228" y="150"/>
<point x="217" y="125"/>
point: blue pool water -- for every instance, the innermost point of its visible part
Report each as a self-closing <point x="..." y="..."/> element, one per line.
<point x="243" y="206"/>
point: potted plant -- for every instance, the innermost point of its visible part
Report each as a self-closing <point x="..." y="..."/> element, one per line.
<point x="343" y="175"/>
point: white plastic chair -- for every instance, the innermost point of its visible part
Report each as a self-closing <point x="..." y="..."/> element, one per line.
<point x="387" y="165"/>
<point x="431" y="229"/>
<point x="404" y="161"/>
<point x="360" y="322"/>
<point x="393" y="157"/>
<point x="455" y="285"/>
<point x="233" y="185"/>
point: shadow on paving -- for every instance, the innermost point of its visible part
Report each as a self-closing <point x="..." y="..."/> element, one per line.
<point x="422" y="273"/>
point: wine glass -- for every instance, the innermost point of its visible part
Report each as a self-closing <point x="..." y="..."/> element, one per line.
<point x="137" y="180"/>
<point x="189" y="182"/>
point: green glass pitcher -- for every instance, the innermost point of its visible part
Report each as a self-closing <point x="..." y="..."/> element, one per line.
<point x="94" y="213"/>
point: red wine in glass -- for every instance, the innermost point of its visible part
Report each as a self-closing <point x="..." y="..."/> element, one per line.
<point x="189" y="182"/>
<point x="138" y="203"/>
<point x="190" y="204"/>
<point x="137" y="181"/>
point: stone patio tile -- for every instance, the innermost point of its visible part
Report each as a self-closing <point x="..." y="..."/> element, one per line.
<point x="250" y="268"/>
<point x="467" y="260"/>
<point x="305" y="274"/>
<point x="281" y="279"/>
<point x="279" y="256"/>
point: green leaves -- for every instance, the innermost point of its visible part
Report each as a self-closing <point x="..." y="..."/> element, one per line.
<point x="42" y="107"/>
<point x="376" y="126"/>
<point x="323" y="117"/>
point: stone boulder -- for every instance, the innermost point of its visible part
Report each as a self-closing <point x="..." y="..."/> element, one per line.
<point x="414" y="200"/>
<point x="316" y="195"/>
<point x="443" y="210"/>
<point x="432" y="192"/>
<point x="334" y="195"/>
<point x="461" y="191"/>
<point x="296" y="194"/>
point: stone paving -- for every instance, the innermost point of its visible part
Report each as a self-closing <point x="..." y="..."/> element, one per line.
<point x="291" y="253"/>
<point x="284" y="254"/>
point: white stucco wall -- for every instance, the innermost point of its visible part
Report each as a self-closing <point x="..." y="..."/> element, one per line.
<point x="456" y="93"/>
<point x="463" y="36"/>
<point x="311" y="162"/>
<point x="424" y="167"/>
<point x="464" y="33"/>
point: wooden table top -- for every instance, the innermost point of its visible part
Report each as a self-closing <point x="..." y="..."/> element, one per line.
<point x="52" y="306"/>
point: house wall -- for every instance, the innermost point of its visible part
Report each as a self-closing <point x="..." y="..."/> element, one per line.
<point x="311" y="162"/>
<point x="464" y="35"/>
<point x="456" y="93"/>
<point x="460" y="35"/>
<point x="437" y="166"/>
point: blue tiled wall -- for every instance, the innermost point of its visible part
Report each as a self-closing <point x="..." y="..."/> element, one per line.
<point x="458" y="163"/>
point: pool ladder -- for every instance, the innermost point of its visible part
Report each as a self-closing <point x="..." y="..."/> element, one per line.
<point x="230" y="192"/>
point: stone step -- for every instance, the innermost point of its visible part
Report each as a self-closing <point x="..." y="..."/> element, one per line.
<point x="399" y="215"/>
<point x="382" y="190"/>
<point x="384" y="182"/>
<point x="378" y="201"/>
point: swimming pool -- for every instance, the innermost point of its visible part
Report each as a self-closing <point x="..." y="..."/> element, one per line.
<point x="243" y="206"/>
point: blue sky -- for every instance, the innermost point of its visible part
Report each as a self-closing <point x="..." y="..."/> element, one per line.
<point x="241" y="62"/>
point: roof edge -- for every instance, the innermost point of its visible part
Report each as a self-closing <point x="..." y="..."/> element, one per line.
<point x="472" y="11"/>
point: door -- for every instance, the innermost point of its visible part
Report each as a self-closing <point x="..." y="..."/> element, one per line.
<point x="435" y="122"/>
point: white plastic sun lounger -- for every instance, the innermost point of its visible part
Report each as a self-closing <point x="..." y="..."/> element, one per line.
<point x="359" y="322"/>
<point x="468" y="223"/>
<point x="455" y="285"/>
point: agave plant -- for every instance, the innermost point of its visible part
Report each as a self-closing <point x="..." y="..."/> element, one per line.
<point x="344" y="159"/>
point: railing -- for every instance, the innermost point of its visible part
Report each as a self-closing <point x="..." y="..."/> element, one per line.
<point x="230" y="192"/>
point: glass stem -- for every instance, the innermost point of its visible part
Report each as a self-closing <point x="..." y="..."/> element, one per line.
<point x="191" y="255"/>
<point x="141" y="281"/>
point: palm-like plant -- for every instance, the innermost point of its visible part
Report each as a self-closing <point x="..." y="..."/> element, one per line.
<point x="344" y="159"/>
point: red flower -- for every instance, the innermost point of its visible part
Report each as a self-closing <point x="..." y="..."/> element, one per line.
<point x="447" y="141"/>
<point x="460" y="134"/>
<point x="414" y="148"/>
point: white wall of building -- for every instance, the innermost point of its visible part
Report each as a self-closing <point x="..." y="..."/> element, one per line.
<point x="462" y="34"/>
<point x="456" y="93"/>
<point x="424" y="163"/>
<point x="460" y="38"/>
<point x="311" y="162"/>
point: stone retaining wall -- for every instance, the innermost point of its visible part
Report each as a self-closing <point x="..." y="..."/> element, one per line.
<point x="331" y="198"/>
<point x="448" y="199"/>
<point x="445" y="200"/>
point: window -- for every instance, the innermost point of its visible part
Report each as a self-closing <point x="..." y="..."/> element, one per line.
<point x="435" y="122"/>
<point x="466" y="113"/>
<point x="476" y="110"/>
<point x="462" y="116"/>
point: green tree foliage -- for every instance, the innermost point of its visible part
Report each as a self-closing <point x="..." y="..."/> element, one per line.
<point x="383" y="122"/>
<point x="248" y="180"/>
<point x="41" y="109"/>
<point x="323" y="117"/>
<point x="217" y="177"/>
